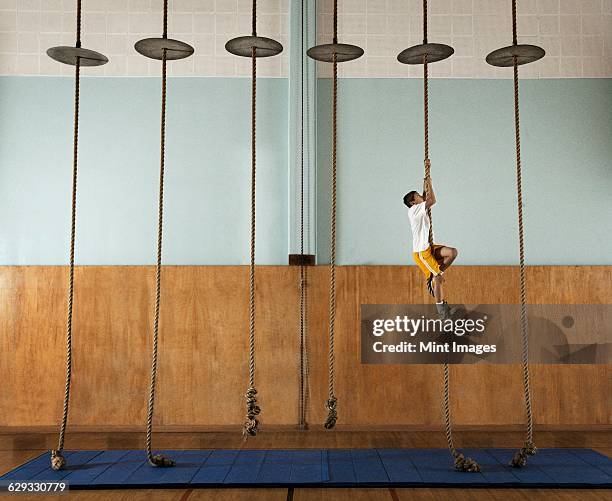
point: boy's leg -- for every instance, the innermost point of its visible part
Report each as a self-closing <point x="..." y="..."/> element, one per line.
<point x="438" y="280"/>
<point x="445" y="256"/>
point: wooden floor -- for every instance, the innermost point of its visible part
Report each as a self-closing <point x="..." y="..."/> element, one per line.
<point x="17" y="447"/>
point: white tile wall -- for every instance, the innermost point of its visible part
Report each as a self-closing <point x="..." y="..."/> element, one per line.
<point x="29" y="27"/>
<point x="576" y="34"/>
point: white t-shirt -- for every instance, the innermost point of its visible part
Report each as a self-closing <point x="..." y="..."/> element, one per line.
<point x="419" y="222"/>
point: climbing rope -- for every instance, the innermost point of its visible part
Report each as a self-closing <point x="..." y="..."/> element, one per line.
<point x="57" y="459"/>
<point x="304" y="365"/>
<point x="332" y="401"/>
<point x="529" y="448"/>
<point x="252" y="46"/>
<point x="426" y="143"/>
<point x="426" y="114"/>
<point x="252" y="423"/>
<point x="158" y="459"/>
<point x="462" y="463"/>
<point x="426" y="135"/>
<point x="306" y="376"/>
<point x="333" y="53"/>
<point x="301" y="418"/>
<point x="303" y="424"/>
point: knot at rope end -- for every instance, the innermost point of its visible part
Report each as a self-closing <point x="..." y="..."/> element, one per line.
<point x="466" y="464"/>
<point x="251" y="425"/>
<point x="161" y="461"/>
<point x="520" y="458"/>
<point x="332" y="413"/>
<point x="57" y="460"/>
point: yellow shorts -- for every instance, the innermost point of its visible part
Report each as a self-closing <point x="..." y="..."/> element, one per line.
<point x="427" y="262"/>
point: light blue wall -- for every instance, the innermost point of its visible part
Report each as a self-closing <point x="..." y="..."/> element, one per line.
<point x="207" y="177"/>
<point x="567" y="152"/>
<point x="567" y="169"/>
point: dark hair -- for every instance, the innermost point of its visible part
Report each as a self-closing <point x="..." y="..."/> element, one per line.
<point x="409" y="198"/>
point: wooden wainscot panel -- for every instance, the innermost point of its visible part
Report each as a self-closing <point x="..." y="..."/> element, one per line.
<point x="203" y="365"/>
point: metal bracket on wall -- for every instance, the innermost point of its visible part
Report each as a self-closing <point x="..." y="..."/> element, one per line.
<point x="301" y="259"/>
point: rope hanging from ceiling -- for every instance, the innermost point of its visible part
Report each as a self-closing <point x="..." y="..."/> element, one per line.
<point x="333" y="53"/>
<point x="253" y="46"/>
<point x="516" y="55"/>
<point x="425" y="54"/>
<point x="75" y="56"/>
<point x="163" y="49"/>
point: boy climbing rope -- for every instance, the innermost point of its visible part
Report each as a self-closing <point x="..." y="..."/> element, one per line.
<point x="432" y="259"/>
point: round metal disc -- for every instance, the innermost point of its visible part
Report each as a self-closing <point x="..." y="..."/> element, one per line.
<point x="434" y="52"/>
<point x="343" y="51"/>
<point x="524" y="54"/>
<point x="69" y="55"/>
<point x="264" y="47"/>
<point x="153" y="48"/>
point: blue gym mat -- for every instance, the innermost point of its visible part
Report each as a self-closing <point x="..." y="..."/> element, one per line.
<point x="123" y="469"/>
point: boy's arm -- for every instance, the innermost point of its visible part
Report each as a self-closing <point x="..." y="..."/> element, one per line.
<point x="430" y="196"/>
